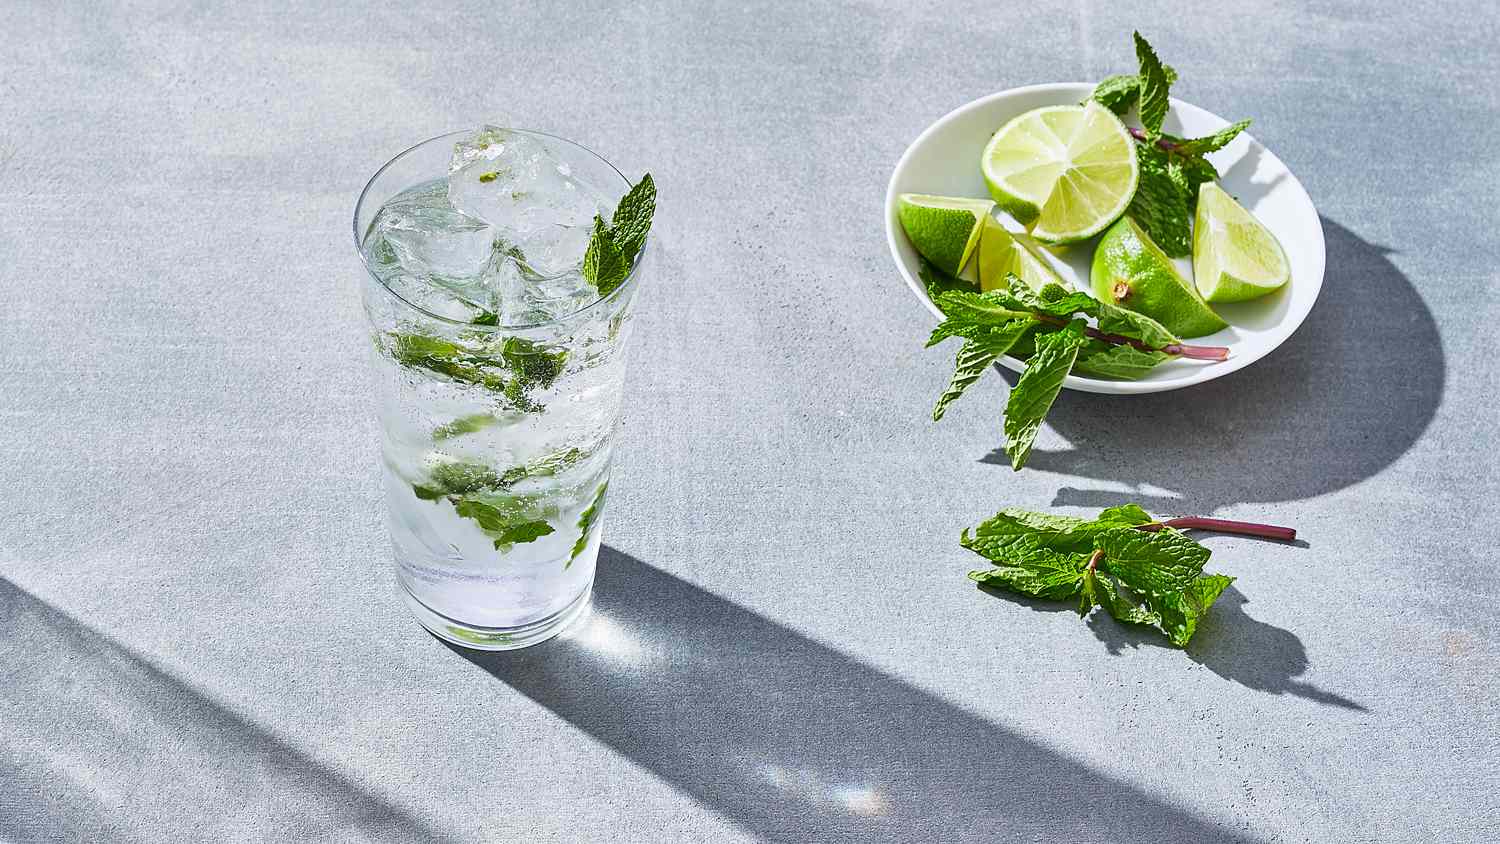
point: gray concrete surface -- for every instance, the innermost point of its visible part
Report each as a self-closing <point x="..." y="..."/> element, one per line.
<point x="199" y="640"/>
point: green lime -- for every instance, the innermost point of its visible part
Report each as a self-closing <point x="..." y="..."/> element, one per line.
<point x="1132" y="272"/>
<point x="944" y="229"/>
<point x="1001" y="252"/>
<point x="1234" y="257"/>
<point x="1065" y="171"/>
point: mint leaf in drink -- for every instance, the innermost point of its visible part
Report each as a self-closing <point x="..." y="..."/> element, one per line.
<point x="1154" y="87"/>
<point x="1160" y="204"/>
<point x="632" y="218"/>
<point x="503" y="528"/>
<point x="978" y="355"/>
<point x="1137" y="569"/>
<point x="586" y="521"/>
<point x="613" y="246"/>
<point x="470" y="424"/>
<point x="1037" y="388"/>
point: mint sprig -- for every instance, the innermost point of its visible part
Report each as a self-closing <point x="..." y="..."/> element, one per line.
<point x="513" y="371"/>
<point x="1053" y="321"/>
<point x="1171" y="168"/>
<point x="613" y="246"/>
<point x="1138" y="569"/>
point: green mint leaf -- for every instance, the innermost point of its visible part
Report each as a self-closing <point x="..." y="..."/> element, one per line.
<point x="632" y="218"/>
<point x="1037" y="388"/>
<point x="1216" y="141"/>
<point x="1179" y="613"/>
<point x="603" y="264"/>
<point x="461" y="478"/>
<point x="976" y="356"/>
<point x="464" y="425"/>
<point x="1125" y="515"/>
<point x="1152" y="563"/>
<point x="1038" y="572"/>
<point x="1188" y="172"/>
<point x="1010" y="533"/>
<point x="518" y="533"/>
<point x="1124" y="363"/>
<point x="1154" y="87"/>
<point x="1122" y="604"/>
<point x="993" y="308"/>
<point x="485" y="317"/>
<point x="1123" y="322"/>
<point x="445" y="358"/>
<point x="1053" y="299"/>
<point x="502" y="528"/>
<point x="1160" y="203"/>
<point x="586" y="521"/>
<point x="1119" y="93"/>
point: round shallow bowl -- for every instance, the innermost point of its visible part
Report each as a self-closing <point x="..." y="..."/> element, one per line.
<point x="944" y="160"/>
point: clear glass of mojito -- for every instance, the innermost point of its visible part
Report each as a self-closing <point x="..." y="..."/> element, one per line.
<point x="502" y="265"/>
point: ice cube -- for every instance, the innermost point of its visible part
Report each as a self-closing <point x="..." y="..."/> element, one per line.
<point x="512" y="181"/>
<point x="427" y="236"/>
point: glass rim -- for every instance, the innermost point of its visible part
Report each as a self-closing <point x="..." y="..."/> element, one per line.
<point x="359" y="204"/>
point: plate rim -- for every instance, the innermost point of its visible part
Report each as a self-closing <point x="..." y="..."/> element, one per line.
<point x="1190" y="378"/>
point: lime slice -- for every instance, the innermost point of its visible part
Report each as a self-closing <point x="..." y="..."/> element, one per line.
<point x="1064" y="171"/>
<point x="1234" y="257"/>
<point x="1001" y="253"/>
<point x="1132" y="272"/>
<point x="944" y="229"/>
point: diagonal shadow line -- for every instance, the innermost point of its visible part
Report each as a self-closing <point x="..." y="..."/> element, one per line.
<point x="795" y="741"/>
<point x="89" y="728"/>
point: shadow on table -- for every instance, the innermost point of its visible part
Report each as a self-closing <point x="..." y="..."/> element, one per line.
<point x="796" y="741"/>
<point x="1342" y="399"/>
<point x="1233" y="645"/>
<point x="98" y="744"/>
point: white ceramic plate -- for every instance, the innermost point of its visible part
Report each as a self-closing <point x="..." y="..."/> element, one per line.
<point x="944" y="160"/>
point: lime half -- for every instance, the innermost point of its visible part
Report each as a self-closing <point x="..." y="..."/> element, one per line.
<point x="1131" y="271"/>
<point x="1235" y="258"/>
<point x="1065" y="171"/>
<point x="1002" y="253"/>
<point x="944" y="229"/>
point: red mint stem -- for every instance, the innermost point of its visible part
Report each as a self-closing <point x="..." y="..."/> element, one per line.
<point x="1285" y="534"/>
<point x="1179" y="349"/>
<point x="1140" y="135"/>
<point x="1198" y="352"/>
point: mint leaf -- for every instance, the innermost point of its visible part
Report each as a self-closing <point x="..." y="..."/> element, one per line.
<point x="603" y="264"/>
<point x="939" y="282"/>
<point x="1211" y="143"/>
<point x="1037" y="388"/>
<point x="1160" y="204"/>
<point x="1138" y="569"/>
<point x="1125" y="363"/>
<point x="464" y="425"/>
<point x="1039" y="573"/>
<point x="612" y="247"/>
<point x="1188" y="172"/>
<point x="1119" y="93"/>
<point x="1123" y="322"/>
<point x="586" y="521"/>
<point x="1152" y="563"/>
<point x="1179" y="614"/>
<point x="501" y="527"/>
<point x="632" y="218"/>
<point x="976" y="356"/>
<point x="992" y="308"/>
<point x="1154" y="87"/>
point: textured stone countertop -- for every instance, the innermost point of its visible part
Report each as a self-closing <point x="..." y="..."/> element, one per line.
<point x="199" y="635"/>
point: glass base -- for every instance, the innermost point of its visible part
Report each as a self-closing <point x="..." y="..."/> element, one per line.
<point x="495" y="638"/>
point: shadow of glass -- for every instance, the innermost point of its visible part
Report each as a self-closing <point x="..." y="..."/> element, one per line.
<point x="1234" y="646"/>
<point x="1342" y="399"/>
<point x="793" y="740"/>
<point x="90" y="727"/>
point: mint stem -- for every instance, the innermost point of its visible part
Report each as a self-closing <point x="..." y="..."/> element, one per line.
<point x="1161" y="143"/>
<point x="1285" y="534"/>
<point x="1178" y="349"/>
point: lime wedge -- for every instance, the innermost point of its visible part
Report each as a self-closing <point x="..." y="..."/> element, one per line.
<point x="1065" y="171"/>
<point x="944" y="229"/>
<point x="1001" y="253"/>
<point x="1235" y="258"/>
<point x="1132" y="272"/>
